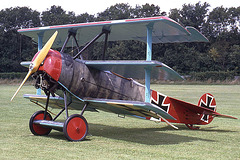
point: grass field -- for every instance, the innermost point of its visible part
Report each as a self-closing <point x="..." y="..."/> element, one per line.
<point x="129" y="138"/>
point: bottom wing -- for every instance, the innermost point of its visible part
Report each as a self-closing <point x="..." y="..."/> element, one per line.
<point x="141" y="109"/>
<point x="133" y="108"/>
<point x="137" y="108"/>
<point x="57" y="102"/>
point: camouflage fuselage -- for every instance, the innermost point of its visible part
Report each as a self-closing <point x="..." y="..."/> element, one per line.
<point x="84" y="81"/>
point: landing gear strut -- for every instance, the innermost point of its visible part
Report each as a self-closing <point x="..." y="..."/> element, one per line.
<point x="75" y="127"/>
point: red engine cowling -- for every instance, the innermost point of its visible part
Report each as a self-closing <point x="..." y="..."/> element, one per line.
<point x="52" y="64"/>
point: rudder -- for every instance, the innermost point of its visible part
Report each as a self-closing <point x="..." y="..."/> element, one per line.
<point x="208" y="101"/>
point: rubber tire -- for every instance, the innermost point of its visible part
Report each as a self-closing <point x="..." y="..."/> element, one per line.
<point x="37" y="129"/>
<point x="75" y="128"/>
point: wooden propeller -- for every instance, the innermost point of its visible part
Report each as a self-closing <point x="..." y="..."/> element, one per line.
<point x="34" y="65"/>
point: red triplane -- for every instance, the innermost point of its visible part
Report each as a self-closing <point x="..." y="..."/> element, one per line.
<point x="70" y="82"/>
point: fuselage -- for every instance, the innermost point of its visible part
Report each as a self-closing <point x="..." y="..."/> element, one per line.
<point x="84" y="81"/>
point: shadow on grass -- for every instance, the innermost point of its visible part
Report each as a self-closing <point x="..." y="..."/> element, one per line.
<point x="149" y="136"/>
<point x="204" y="129"/>
<point x="212" y="129"/>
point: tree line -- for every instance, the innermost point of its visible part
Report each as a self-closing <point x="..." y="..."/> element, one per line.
<point x="220" y="25"/>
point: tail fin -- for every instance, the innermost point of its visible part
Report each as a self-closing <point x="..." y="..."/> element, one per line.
<point x="207" y="101"/>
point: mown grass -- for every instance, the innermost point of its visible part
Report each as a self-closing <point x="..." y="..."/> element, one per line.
<point x="129" y="138"/>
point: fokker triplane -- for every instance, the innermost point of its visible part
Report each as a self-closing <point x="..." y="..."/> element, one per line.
<point x="71" y="82"/>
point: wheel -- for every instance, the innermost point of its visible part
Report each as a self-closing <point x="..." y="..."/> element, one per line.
<point x="75" y="128"/>
<point x="36" y="129"/>
<point x="190" y="126"/>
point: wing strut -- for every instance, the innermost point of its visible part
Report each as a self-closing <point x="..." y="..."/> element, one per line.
<point x="73" y="34"/>
<point x="148" y="58"/>
<point x="105" y="44"/>
<point x="40" y="42"/>
<point x="104" y="31"/>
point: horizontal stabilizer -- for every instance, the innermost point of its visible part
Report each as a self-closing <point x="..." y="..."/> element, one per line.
<point x="197" y="109"/>
<point x="223" y="116"/>
<point x="135" y="69"/>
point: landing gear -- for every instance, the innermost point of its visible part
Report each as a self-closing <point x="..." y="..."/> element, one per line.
<point x="190" y="126"/>
<point x="75" y="128"/>
<point x="37" y="129"/>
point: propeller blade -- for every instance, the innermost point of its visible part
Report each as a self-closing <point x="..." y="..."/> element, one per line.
<point x="43" y="53"/>
<point x="34" y="65"/>
<point x="25" y="79"/>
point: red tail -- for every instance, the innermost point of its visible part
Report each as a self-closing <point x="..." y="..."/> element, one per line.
<point x="207" y="101"/>
<point x="188" y="113"/>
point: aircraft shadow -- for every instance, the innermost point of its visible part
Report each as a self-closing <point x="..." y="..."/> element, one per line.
<point x="149" y="136"/>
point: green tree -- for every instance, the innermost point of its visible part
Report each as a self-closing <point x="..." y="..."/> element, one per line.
<point x="115" y="12"/>
<point x="57" y="16"/>
<point x="224" y="33"/>
<point x="13" y="47"/>
<point x="191" y="15"/>
<point x="234" y="57"/>
<point x="83" y="18"/>
<point x="146" y="10"/>
<point x="19" y="17"/>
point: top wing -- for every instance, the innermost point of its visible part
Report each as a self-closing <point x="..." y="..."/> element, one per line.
<point x="164" y="30"/>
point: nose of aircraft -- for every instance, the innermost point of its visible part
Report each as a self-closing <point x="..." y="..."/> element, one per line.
<point x="52" y="64"/>
<point x="37" y="60"/>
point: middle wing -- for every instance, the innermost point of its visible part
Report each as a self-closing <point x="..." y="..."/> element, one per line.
<point x="135" y="68"/>
<point x="132" y="68"/>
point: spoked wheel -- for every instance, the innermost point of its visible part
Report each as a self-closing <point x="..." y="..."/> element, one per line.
<point x="36" y="129"/>
<point x="75" y="128"/>
<point x="190" y="126"/>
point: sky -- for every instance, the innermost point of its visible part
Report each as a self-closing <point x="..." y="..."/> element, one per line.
<point x="94" y="7"/>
